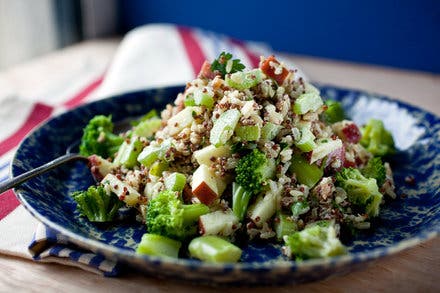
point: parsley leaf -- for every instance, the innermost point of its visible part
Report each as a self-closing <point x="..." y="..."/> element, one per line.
<point x="224" y="64"/>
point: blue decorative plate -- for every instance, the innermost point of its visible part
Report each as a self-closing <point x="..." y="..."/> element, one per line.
<point x="410" y="219"/>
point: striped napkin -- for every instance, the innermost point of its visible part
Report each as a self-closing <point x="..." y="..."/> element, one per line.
<point x="149" y="56"/>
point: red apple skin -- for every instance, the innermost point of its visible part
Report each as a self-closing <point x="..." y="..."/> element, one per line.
<point x="351" y="133"/>
<point x="204" y="193"/>
<point x="94" y="163"/>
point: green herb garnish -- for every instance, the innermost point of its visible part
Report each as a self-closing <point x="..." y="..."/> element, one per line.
<point x="224" y="64"/>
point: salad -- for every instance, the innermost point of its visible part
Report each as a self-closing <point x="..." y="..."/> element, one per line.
<point x="242" y="155"/>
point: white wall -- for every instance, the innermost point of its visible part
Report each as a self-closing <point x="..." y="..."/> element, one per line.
<point x="27" y="29"/>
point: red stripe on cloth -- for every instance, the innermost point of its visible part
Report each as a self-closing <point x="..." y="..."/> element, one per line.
<point x="192" y="48"/>
<point x="38" y="114"/>
<point x="253" y="58"/>
<point x="79" y="97"/>
<point x="8" y="203"/>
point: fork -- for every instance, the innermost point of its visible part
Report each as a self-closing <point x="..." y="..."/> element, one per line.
<point x="68" y="157"/>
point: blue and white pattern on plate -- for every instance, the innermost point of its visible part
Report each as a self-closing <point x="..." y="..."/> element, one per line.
<point x="403" y="222"/>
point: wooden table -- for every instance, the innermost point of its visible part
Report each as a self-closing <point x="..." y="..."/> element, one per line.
<point x="416" y="269"/>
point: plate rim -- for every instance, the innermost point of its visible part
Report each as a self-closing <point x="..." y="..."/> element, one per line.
<point x="112" y="251"/>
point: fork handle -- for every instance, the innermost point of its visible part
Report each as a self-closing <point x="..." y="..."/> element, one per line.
<point x="15" y="181"/>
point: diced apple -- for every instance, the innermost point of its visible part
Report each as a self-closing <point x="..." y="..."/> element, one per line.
<point x="324" y="147"/>
<point x="263" y="209"/>
<point x="204" y="185"/>
<point x="221" y="223"/>
<point x="182" y="119"/>
<point x="205" y="193"/>
<point x="347" y="131"/>
<point x="222" y="183"/>
<point x="125" y="192"/>
<point x="336" y="155"/>
<point x="100" y="167"/>
<point x="204" y="156"/>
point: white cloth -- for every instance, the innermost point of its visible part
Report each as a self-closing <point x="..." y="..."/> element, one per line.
<point x="149" y="56"/>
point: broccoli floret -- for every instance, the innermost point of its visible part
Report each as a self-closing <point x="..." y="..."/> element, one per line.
<point x="168" y="216"/>
<point x="96" y="204"/>
<point x="361" y="191"/>
<point x="253" y="170"/>
<point x="376" y="139"/>
<point x="317" y="240"/>
<point x="375" y="169"/>
<point x="334" y="112"/>
<point x="98" y="138"/>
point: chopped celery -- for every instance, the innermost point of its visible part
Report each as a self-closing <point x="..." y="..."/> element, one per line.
<point x="158" y="245"/>
<point x="128" y="153"/>
<point x="148" y="155"/>
<point x="189" y="100"/>
<point x="270" y="131"/>
<point x="152" y="153"/>
<point x="148" y="127"/>
<point x="204" y="97"/>
<point x="224" y="127"/>
<point x="240" y="200"/>
<point x="192" y="213"/>
<point x="175" y="181"/>
<point x="248" y="132"/>
<point x="334" y="112"/>
<point x="149" y="115"/>
<point x="307" y="102"/>
<point x="214" y="249"/>
<point x="306" y="142"/>
<point x="299" y="208"/>
<point x="244" y="80"/>
<point x="284" y="226"/>
<point x="307" y="174"/>
<point x="158" y="167"/>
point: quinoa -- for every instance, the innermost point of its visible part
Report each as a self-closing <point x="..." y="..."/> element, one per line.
<point x="272" y="125"/>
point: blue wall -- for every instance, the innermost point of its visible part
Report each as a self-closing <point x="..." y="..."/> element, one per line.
<point x="403" y="34"/>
